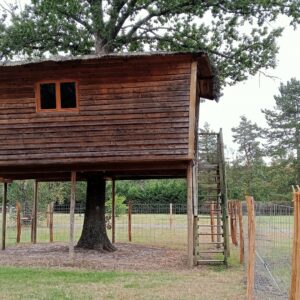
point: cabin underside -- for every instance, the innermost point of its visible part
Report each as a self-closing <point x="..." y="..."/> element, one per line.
<point x="118" y="170"/>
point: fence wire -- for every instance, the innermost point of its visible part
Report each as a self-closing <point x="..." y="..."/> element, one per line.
<point x="273" y="250"/>
<point x="155" y="224"/>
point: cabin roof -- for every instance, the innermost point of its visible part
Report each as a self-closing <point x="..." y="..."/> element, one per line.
<point x="207" y="72"/>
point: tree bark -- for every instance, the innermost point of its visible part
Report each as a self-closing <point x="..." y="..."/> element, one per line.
<point x="94" y="234"/>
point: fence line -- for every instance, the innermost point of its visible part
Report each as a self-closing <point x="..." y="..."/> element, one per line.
<point x="272" y="263"/>
<point x="155" y="224"/>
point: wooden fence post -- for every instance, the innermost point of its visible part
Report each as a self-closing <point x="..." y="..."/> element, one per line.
<point x="34" y="213"/>
<point x="295" y="280"/>
<point x="171" y="215"/>
<point x="72" y="216"/>
<point x="113" y="212"/>
<point x="212" y="221"/>
<point x="129" y="220"/>
<point x="50" y="209"/>
<point x="18" y="209"/>
<point x="241" y="231"/>
<point x="251" y="247"/>
<point x="4" y="202"/>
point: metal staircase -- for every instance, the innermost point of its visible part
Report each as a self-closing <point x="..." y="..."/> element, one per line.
<point x="212" y="243"/>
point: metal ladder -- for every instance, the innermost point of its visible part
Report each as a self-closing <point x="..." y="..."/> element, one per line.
<point x="212" y="243"/>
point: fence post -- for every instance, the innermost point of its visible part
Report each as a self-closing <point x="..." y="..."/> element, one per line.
<point x="4" y="202"/>
<point x="129" y="220"/>
<point x="295" y="280"/>
<point x="34" y="213"/>
<point x="171" y="215"/>
<point x="51" y="221"/>
<point x="251" y="247"/>
<point x="18" y="208"/>
<point x="241" y="230"/>
<point x="212" y="221"/>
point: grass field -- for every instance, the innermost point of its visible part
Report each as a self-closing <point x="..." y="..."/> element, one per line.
<point x="148" y="229"/>
<point x="203" y="283"/>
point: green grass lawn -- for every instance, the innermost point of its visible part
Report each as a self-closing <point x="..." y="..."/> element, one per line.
<point x="204" y="283"/>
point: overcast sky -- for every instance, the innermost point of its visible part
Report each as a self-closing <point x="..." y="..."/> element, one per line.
<point x="248" y="98"/>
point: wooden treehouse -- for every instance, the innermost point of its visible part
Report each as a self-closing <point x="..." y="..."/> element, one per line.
<point x="126" y="116"/>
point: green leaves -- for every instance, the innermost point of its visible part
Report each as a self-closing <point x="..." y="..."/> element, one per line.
<point x="235" y="33"/>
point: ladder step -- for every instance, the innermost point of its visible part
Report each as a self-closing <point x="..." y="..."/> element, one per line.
<point x="209" y="261"/>
<point x="219" y="226"/>
<point x="210" y="234"/>
<point x="208" y="218"/>
<point x="211" y="243"/>
<point x="211" y="251"/>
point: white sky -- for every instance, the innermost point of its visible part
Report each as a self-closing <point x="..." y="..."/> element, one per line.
<point x="249" y="97"/>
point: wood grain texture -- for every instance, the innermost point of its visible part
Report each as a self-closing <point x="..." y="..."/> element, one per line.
<point x="134" y="108"/>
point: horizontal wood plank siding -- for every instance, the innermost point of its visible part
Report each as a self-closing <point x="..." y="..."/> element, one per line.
<point x="128" y="108"/>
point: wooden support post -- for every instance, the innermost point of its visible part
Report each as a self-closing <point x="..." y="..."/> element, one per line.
<point x="4" y="202"/>
<point x="34" y="213"/>
<point x="190" y="216"/>
<point x="18" y="209"/>
<point x="241" y="230"/>
<point x="113" y="211"/>
<point x="129" y="220"/>
<point x="295" y="280"/>
<point x="72" y="216"/>
<point x="251" y="247"/>
<point x="212" y="221"/>
<point x="171" y="215"/>
<point x="51" y="222"/>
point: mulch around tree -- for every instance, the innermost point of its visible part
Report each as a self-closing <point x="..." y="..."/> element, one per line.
<point x="128" y="257"/>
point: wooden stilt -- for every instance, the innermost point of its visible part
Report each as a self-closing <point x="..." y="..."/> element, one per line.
<point x="190" y="215"/>
<point x="72" y="216"/>
<point x="4" y="202"/>
<point x="113" y="212"/>
<point x="34" y="213"/>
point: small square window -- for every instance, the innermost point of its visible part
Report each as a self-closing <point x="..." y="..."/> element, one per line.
<point x="48" y="96"/>
<point x="58" y="95"/>
<point x="68" y="95"/>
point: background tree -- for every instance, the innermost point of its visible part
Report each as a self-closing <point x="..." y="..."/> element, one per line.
<point x="283" y="133"/>
<point x="247" y="135"/>
<point x="237" y="34"/>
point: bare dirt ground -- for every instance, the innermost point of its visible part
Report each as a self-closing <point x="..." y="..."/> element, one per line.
<point x="127" y="257"/>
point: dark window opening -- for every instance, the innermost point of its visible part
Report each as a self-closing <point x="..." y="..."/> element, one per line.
<point x="48" y="95"/>
<point x="68" y="95"/>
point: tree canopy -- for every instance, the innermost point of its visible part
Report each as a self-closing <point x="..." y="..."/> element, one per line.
<point x="237" y="34"/>
<point x="283" y="133"/>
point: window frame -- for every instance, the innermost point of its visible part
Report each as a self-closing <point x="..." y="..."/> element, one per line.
<point x="57" y="96"/>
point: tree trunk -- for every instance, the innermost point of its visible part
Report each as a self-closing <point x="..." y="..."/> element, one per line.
<point x="94" y="234"/>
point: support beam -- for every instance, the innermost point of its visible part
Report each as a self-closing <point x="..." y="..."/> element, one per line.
<point x="4" y="202"/>
<point x="113" y="211"/>
<point x="34" y="212"/>
<point x="72" y="212"/>
<point x="190" y="215"/>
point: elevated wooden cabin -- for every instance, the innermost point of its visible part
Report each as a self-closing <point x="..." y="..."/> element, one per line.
<point x="126" y="115"/>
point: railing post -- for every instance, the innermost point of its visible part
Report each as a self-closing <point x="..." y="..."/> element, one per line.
<point x="4" y="202"/>
<point x="18" y="209"/>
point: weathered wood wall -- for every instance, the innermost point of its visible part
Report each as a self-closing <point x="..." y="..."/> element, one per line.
<point x="129" y="109"/>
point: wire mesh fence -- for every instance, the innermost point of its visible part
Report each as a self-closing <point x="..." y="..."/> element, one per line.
<point x="155" y="224"/>
<point x="273" y="249"/>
